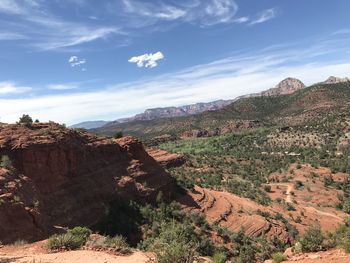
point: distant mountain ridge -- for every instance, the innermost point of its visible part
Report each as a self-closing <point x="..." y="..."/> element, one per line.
<point x="89" y="124"/>
<point x="285" y="87"/>
<point x="171" y="112"/>
<point x="335" y="80"/>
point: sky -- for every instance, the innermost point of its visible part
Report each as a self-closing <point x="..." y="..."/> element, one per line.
<point x="78" y="60"/>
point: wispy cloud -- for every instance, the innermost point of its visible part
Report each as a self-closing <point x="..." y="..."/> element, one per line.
<point x="11" y="36"/>
<point x="10" y="7"/>
<point x="203" y="13"/>
<point x="264" y="16"/>
<point x="33" y="20"/>
<point x="10" y="88"/>
<point x="241" y="20"/>
<point x="232" y="76"/>
<point x="64" y="86"/>
<point x="41" y="25"/>
<point x="147" y="60"/>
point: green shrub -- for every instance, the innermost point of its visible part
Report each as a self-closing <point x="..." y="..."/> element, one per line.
<point x="278" y="257"/>
<point x="174" y="244"/>
<point x="267" y="188"/>
<point x="73" y="239"/>
<point x="312" y="239"/>
<point x="247" y="254"/>
<point x="118" y="135"/>
<point x="26" y="120"/>
<point x="6" y="162"/>
<point x="117" y="244"/>
<point x="341" y="236"/>
<point x="219" y="257"/>
<point x="81" y="232"/>
<point x="64" y="241"/>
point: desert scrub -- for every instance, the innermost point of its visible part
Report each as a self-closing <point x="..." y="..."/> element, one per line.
<point x="6" y="162"/>
<point x="278" y="257"/>
<point x="312" y="239"/>
<point x="341" y="236"/>
<point x="219" y="257"/>
<point x="19" y="242"/>
<point x="118" y="244"/>
<point x="73" y="239"/>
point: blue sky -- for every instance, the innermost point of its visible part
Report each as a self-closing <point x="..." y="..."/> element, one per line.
<point x="78" y="60"/>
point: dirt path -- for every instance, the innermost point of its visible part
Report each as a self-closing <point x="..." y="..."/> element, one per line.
<point x="290" y="188"/>
<point x="324" y="213"/>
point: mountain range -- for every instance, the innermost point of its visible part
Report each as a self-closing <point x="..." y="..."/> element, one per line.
<point x="241" y="113"/>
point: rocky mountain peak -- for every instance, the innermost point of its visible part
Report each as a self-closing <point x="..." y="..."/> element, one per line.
<point x="286" y="86"/>
<point x="334" y="80"/>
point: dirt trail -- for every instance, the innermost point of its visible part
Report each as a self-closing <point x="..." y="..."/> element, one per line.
<point x="323" y="213"/>
<point x="290" y="188"/>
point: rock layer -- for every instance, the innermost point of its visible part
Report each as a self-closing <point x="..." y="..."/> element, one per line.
<point x="62" y="177"/>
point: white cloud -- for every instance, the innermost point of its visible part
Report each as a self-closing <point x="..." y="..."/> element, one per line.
<point x="264" y="16"/>
<point x="9" y="88"/>
<point x="75" y="61"/>
<point x="63" y="86"/>
<point x="241" y="20"/>
<point x="147" y="60"/>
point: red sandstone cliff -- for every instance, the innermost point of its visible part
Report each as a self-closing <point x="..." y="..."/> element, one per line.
<point x="62" y="177"/>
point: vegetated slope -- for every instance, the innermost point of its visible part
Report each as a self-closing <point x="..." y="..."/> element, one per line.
<point x="52" y="176"/>
<point x="246" y="113"/>
<point x="298" y="175"/>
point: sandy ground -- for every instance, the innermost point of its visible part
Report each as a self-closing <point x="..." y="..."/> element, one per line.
<point x="34" y="253"/>
<point x="80" y="256"/>
<point x="333" y="256"/>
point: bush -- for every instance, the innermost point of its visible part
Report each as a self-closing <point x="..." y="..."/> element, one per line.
<point x="174" y="244"/>
<point x="6" y="162"/>
<point x="73" y="239"/>
<point x="117" y="244"/>
<point x="341" y="236"/>
<point x="267" y="188"/>
<point x="64" y="241"/>
<point x="219" y="257"/>
<point x="246" y="254"/>
<point x="81" y="232"/>
<point x="118" y="135"/>
<point x="278" y="257"/>
<point x="312" y="239"/>
<point x="26" y="120"/>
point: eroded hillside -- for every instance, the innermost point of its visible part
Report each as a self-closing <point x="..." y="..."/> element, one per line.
<point x="51" y="176"/>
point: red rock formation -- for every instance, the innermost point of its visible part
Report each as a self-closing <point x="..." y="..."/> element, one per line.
<point x="167" y="160"/>
<point x="64" y="177"/>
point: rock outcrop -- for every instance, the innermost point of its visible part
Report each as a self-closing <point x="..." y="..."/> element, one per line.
<point x="285" y="87"/>
<point x="335" y="80"/>
<point x="52" y="176"/>
<point x="167" y="160"/>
